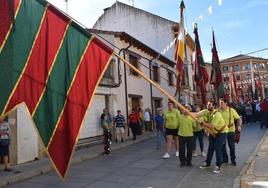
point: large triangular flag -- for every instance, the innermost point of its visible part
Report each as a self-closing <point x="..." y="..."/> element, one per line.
<point x="200" y="72"/>
<point x="53" y="65"/>
<point x="216" y="76"/>
<point x="180" y="49"/>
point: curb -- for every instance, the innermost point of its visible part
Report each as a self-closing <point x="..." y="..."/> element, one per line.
<point x="245" y="177"/>
<point x="47" y="167"/>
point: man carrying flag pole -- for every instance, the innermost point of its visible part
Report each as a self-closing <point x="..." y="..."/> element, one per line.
<point x="180" y="49"/>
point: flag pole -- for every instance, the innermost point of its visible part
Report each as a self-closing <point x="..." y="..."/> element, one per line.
<point x="181" y="107"/>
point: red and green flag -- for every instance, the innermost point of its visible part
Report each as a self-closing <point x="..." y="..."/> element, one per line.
<point x="53" y="66"/>
<point x="216" y="76"/>
<point x="200" y="72"/>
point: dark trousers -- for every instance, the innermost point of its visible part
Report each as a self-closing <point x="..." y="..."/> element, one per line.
<point x="188" y="142"/>
<point x="200" y="136"/>
<point x="107" y="141"/>
<point x="134" y="128"/>
<point x="215" y="144"/>
<point x="264" y="119"/>
<point x="231" y="143"/>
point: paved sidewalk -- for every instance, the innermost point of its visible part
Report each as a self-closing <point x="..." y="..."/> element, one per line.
<point x="28" y="170"/>
<point x="255" y="172"/>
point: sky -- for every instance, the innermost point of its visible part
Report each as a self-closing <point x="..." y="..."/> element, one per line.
<point x="240" y="26"/>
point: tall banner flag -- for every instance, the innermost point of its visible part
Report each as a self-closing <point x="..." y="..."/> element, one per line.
<point x="235" y="98"/>
<point x="216" y="76"/>
<point x="180" y="49"/>
<point x="200" y="72"/>
<point x="53" y="66"/>
<point x="259" y="86"/>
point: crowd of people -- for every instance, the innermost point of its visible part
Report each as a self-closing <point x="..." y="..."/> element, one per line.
<point x="254" y="111"/>
<point x="221" y="124"/>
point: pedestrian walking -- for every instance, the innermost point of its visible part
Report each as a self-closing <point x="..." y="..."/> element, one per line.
<point x="147" y="120"/>
<point x="186" y="126"/>
<point x="171" y="123"/>
<point x="119" y="122"/>
<point x="229" y="115"/>
<point x="199" y="134"/>
<point x="217" y="124"/>
<point x="5" y="142"/>
<point x="159" y="120"/>
<point x="134" y="122"/>
<point x="107" y="135"/>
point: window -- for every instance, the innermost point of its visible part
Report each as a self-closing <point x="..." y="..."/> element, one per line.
<point x="248" y="76"/>
<point x="156" y="74"/>
<point x="236" y="68"/>
<point x="225" y="68"/>
<point x="134" y="60"/>
<point x="226" y="79"/>
<point x="238" y="77"/>
<point x="170" y="79"/>
<point x="109" y="73"/>
<point x="247" y="66"/>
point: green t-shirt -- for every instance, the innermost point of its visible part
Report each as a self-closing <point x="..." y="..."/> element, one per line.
<point x="171" y="119"/>
<point x="109" y="124"/>
<point x="215" y="118"/>
<point x="186" y="126"/>
<point x="198" y="127"/>
<point x="226" y="116"/>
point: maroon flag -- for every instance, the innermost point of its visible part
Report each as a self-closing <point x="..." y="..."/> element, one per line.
<point x="200" y="73"/>
<point x="216" y="76"/>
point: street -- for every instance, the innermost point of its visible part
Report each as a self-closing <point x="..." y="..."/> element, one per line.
<point x="142" y="166"/>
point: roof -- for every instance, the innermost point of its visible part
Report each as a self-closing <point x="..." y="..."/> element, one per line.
<point x="189" y="40"/>
<point x="242" y="57"/>
<point x="137" y="9"/>
<point x="136" y="43"/>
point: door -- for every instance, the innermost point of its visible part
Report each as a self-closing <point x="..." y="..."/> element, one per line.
<point x="91" y="126"/>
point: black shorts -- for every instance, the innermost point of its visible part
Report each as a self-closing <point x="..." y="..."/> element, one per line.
<point x="4" y="151"/>
<point x="173" y="132"/>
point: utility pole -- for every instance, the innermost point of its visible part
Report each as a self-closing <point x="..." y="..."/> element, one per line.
<point x="66" y="4"/>
<point x="132" y="2"/>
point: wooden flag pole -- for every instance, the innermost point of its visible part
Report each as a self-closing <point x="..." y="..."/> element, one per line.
<point x="181" y="107"/>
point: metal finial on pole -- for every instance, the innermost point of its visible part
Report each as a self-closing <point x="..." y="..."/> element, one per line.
<point x="66" y="4"/>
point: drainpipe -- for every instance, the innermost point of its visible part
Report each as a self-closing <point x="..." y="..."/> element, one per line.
<point x="151" y="86"/>
<point x="125" y="79"/>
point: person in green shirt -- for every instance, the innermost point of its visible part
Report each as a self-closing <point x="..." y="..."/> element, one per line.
<point x="229" y="115"/>
<point x="171" y="123"/>
<point x="217" y="124"/>
<point x="186" y="126"/>
<point x="199" y="133"/>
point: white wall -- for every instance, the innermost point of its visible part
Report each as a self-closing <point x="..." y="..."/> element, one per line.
<point x="150" y="29"/>
<point x="27" y="137"/>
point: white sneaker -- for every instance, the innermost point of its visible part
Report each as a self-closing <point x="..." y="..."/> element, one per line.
<point x="203" y="154"/>
<point x="217" y="170"/>
<point x="194" y="154"/>
<point x="204" y="166"/>
<point x="177" y="154"/>
<point x="166" y="156"/>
